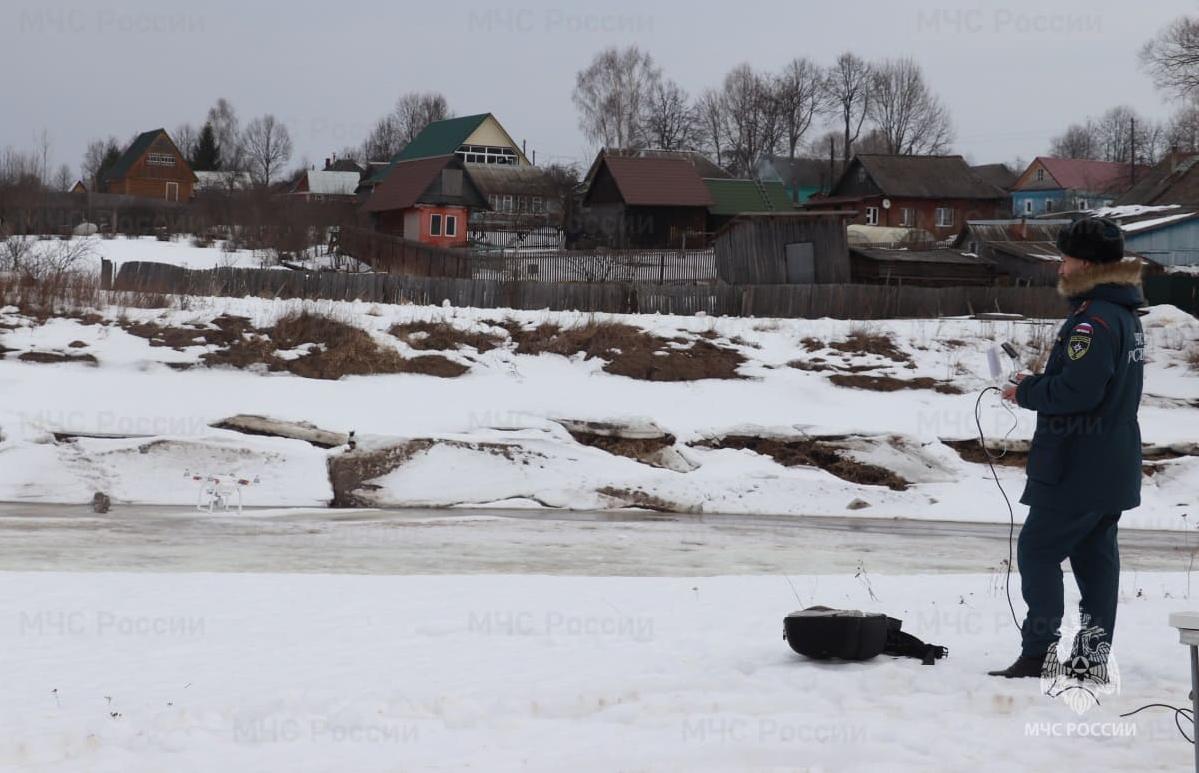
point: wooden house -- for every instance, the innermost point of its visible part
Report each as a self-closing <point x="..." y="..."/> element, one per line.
<point x="919" y="267"/>
<point x="426" y="199"/>
<point x="646" y="202"/>
<point x="151" y="167"/>
<point x="1054" y="185"/>
<point x="784" y="248"/>
<point x="1024" y="251"/>
<point x="326" y="185"/>
<point x="936" y="193"/>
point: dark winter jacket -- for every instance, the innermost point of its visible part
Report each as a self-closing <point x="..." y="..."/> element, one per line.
<point x="1086" y="452"/>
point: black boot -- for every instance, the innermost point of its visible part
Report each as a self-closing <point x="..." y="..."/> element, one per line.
<point x="1025" y="666"/>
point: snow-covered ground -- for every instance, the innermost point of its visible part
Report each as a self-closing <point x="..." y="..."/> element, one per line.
<point x="179" y="251"/>
<point x="517" y="400"/>
<point x="202" y="672"/>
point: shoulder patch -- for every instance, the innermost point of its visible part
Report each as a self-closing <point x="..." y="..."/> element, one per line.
<point x="1083" y="328"/>
<point x="1078" y="346"/>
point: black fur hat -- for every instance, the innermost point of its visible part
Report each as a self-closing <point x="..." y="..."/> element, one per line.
<point x="1096" y="239"/>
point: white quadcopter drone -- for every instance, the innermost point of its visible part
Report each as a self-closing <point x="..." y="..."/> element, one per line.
<point x="220" y="492"/>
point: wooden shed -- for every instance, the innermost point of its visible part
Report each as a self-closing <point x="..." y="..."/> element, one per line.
<point x="928" y="267"/>
<point x="784" y="248"/>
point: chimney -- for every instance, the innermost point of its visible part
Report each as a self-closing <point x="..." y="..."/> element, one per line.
<point x="327" y="164"/>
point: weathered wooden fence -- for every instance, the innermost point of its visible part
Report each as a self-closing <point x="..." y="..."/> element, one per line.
<point x="394" y="255"/>
<point x="794" y="301"/>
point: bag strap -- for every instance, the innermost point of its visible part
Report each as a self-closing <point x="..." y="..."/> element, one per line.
<point x="906" y="645"/>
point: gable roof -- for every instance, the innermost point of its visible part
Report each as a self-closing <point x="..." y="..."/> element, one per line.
<point x="998" y="175"/>
<point x="1174" y="180"/>
<point x="704" y="166"/>
<point x="653" y="182"/>
<point x="799" y="172"/>
<point x="409" y="180"/>
<point x="923" y="177"/>
<point x="141" y="143"/>
<point x="331" y="183"/>
<point x="441" y="138"/>
<point x="1082" y="174"/>
<point x="732" y="197"/>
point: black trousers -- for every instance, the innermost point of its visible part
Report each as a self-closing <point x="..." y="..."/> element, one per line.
<point x="1048" y="538"/>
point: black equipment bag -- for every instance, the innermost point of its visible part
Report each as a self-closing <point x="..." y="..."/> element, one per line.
<point x="822" y="633"/>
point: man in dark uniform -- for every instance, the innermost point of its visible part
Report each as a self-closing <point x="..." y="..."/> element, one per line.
<point x="1084" y="464"/>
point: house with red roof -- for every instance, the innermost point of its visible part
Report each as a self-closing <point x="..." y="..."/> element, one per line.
<point x="426" y="199"/>
<point x="1071" y="184"/>
<point x="645" y="201"/>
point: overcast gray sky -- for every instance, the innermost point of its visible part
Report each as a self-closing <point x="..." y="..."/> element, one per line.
<point x="1013" y="73"/>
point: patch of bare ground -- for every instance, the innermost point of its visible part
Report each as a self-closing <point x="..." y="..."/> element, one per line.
<point x="442" y="336"/>
<point x="638" y="449"/>
<point x="871" y="343"/>
<point x="638" y="498"/>
<point x="51" y="358"/>
<point x="1192" y="356"/>
<point x="630" y="351"/>
<point x="811" y="344"/>
<point x="971" y="451"/>
<point x="808" y="452"/>
<point x="334" y="349"/>
<point x="4" y="351"/>
<point x="892" y="384"/>
<point x="77" y="345"/>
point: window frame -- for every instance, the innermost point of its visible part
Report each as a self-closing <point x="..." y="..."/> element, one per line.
<point x="871" y="215"/>
<point x="945" y="217"/>
<point x="435" y="226"/>
<point x="450" y="226"/>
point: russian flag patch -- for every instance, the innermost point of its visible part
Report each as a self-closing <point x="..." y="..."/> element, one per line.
<point x="1084" y="328"/>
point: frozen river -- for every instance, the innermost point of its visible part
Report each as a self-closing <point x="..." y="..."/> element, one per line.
<point x="425" y="541"/>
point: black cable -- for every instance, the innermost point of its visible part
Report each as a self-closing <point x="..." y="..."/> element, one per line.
<point x="1178" y="712"/>
<point x="1011" y="535"/>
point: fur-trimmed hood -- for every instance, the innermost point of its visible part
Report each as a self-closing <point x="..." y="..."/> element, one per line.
<point x="1122" y="272"/>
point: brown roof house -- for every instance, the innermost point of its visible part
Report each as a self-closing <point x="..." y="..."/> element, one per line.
<point x="645" y="202"/>
<point x="151" y="167"/>
<point x="1174" y="180"/>
<point x="936" y="193"/>
<point x="426" y="199"/>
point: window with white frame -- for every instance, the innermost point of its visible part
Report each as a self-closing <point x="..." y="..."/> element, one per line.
<point x="944" y="217"/>
<point x="538" y="205"/>
<point x="160" y="159"/>
<point x="871" y="215"/>
<point x="451" y="225"/>
<point x="1040" y="175"/>
<point x="487" y="154"/>
<point x="1082" y="204"/>
<point x="907" y="217"/>
<point x="1028" y="206"/>
<point x="435" y="225"/>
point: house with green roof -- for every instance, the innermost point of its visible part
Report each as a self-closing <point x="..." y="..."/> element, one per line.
<point x="151" y="167"/>
<point x="732" y="197"/>
<point x="520" y="196"/>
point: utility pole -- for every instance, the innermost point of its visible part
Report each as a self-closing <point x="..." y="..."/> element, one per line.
<point x="1132" y="150"/>
<point x="832" y="163"/>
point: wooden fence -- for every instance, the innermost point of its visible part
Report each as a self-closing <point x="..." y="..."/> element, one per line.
<point x="394" y="255"/>
<point x="788" y="301"/>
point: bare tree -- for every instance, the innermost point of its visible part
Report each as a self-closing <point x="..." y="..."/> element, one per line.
<point x="227" y="128"/>
<point x="384" y="140"/>
<point x="710" y="122"/>
<point x="186" y="137"/>
<point x="1080" y="140"/>
<point x="668" y="119"/>
<point x="801" y="94"/>
<point x="847" y="85"/>
<point x="908" y="116"/>
<point x="752" y="118"/>
<point x="1182" y="131"/>
<point x="415" y="110"/>
<point x="43" y="145"/>
<point x="1172" y="58"/>
<point x="62" y="178"/>
<point x="611" y="96"/>
<point x="267" y="146"/>
<point x="95" y="157"/>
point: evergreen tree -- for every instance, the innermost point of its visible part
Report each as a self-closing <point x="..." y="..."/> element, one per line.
<point x="112" y="154"/>
<point x="207" y="157"/>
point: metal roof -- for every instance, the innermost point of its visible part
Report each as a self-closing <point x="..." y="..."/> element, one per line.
<point x="328" y="183"/>
<point x="408" y="180"/>
<point x="732" y="197"/>
<point x="933" y="255"/>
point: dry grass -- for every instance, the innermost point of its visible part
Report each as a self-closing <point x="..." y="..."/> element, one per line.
<point x="892" y="384"/>
<point x="860" y="342"/>
<point x="442" y="336"/>
<point x="53" y="358"/>
<point x="630" y="351"/>
<point x="1192" y="356"/>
